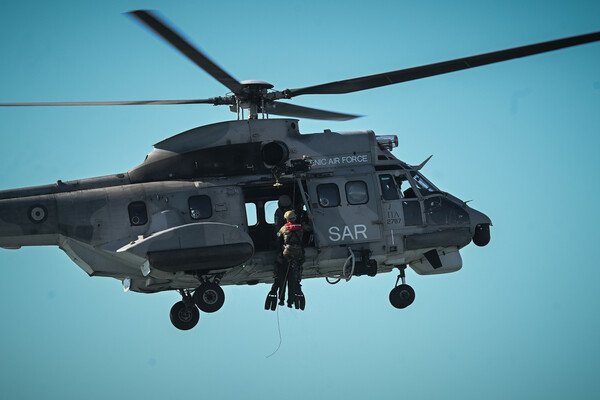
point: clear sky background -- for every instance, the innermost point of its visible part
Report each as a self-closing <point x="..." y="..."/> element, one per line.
<point x="520" y="138"/>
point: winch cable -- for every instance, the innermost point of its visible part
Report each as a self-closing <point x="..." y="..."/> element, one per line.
<point x="280" y="339"/>
<point x="277" y="312"/>
<point x="304" y="199"/>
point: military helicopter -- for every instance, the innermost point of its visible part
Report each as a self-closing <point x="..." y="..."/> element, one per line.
<point x="197" y="214"/>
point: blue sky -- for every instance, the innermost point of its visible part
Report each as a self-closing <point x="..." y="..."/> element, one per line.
<point x="520" y="138"/>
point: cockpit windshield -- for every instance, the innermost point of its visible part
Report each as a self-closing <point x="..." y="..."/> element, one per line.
<point x="425" y="187"/>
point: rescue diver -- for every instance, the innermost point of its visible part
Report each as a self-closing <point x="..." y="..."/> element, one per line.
<point x="284" y="204"/>
<point x="290" y="236"/>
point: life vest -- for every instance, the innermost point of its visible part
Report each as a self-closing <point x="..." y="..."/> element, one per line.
<point x="292" y="234"/>
<point x="293" y="227"/>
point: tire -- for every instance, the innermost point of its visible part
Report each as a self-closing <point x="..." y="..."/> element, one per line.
<point x="209" y="297"/>
<point x="402" y="296"/>
<point x="182" y="317"/>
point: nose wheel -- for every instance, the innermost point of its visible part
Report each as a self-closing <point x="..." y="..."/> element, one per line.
<point x="402" y="295"/>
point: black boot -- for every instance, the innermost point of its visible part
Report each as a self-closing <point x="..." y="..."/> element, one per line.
<point x="299" y="301"/>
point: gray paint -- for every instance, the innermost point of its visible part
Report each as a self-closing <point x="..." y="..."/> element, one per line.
<point x="89" y="219"/>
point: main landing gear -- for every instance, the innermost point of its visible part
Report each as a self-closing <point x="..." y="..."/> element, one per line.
<point x="402" y="295"/>
<point x="184" y="314"/>
<point x="209" y="297"/>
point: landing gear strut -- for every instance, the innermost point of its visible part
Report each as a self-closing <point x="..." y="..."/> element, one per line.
<point x="184" y="314"/>
<point x="402" y="295"/>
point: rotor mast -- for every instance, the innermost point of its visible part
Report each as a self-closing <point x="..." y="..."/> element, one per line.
<point x="252" y="98"/>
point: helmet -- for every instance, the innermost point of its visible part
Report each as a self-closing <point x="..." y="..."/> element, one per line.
<point x="290" y="215"/>
<point x="284" y="201"/>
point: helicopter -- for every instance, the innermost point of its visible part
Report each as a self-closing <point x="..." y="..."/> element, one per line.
<point x="197" y="214"/>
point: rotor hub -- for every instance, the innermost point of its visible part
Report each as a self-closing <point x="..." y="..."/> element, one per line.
<point x="252" y="96"/>
<point x="253" y="91"/>
<point x="254" y="84"/>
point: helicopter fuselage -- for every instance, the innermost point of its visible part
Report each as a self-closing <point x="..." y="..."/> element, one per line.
<point x="201" y="206"/>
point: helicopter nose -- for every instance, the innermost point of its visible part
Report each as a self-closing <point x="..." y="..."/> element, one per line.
<point x="480" y="226"/>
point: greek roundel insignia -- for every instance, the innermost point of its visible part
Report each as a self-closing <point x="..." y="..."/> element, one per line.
<point x="38" y="214"/>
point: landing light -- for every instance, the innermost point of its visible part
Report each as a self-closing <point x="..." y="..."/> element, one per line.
<point x="126" y="284"/>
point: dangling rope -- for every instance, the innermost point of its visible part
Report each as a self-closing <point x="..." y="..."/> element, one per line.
<point x="278" y="330"/>
<point x="281" y="289"/>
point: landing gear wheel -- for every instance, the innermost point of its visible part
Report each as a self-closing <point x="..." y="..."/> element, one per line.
<point x="402" y="296"/>
<point x="209" y="297"/>
<point x="184" y="317"/>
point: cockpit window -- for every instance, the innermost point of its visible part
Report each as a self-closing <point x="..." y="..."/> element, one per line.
<point x="441" y="211"/>
<point x="389" y="191"/>
<point x="392" y="186"/>
<point x="424" y="186"/>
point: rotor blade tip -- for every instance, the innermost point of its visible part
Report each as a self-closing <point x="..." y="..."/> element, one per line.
<point x="139" y="15"/>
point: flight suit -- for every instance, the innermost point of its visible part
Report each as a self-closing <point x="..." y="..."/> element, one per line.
<point x="290" y="236"/>
<point x="280" y="269"/>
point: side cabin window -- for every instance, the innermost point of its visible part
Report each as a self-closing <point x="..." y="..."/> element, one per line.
<point x="389" y="190"/>
<point x="357" y="192"/>
<point x="251" y="214"/>
<point x="137" y="213"/>
<point x="329" y="195"/>
<point x="270" y="207"/>
<point x="200" y="207"/>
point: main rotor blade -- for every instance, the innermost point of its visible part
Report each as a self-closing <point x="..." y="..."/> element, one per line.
<point x="152" y="21"/>
<point x="115" y="103"/>
<point x="290" y="110"/>
<point x="404" y="75"/>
